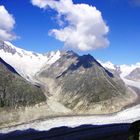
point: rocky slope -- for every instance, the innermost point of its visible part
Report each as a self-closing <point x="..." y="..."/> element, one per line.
<point x="82" y="85"/>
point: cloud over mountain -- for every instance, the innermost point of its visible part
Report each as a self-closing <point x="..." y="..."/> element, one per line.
<point x="7" y="23"/>
<point x="81" y="26"/>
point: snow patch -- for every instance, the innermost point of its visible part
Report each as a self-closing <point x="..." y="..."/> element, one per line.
<point x="108" y="65"/>
<point x="127" y="69"/>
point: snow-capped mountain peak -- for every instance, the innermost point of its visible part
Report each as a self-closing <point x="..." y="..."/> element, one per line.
<point x="124" y="70"/>
<point x="26" y="63"/>
<point x="127" y="69"/>
<point x="7" y="48"/>
<point x="109" y="65"/>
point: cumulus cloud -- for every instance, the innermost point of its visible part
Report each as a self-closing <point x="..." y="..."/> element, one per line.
<point x="85" y="28"/>
<point x="7" y="23"/>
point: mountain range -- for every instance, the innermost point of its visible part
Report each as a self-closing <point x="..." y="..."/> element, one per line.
<point x="32" y="62"/>
<point x="60" y="83"/>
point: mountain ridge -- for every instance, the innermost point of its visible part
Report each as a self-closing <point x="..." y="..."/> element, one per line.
<point x="35" y="61"/>
<point x="26" y="63"/>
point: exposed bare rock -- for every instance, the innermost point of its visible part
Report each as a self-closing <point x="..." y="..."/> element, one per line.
<point x="81" y="84"/>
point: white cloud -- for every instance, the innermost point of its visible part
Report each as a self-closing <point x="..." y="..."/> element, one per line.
<point x="85" y="28"/>
<point x="7" y="23"/>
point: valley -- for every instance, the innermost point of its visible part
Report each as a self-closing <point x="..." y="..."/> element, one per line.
<point x="128" y="115"/>
<point x="75" y="89"/>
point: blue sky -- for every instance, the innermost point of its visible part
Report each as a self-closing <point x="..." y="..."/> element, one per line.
<point x="123" y="19"/>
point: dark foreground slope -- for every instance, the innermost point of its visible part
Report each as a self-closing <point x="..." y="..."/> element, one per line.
<point x="123" y="131"/>
<point x="83" y="132"/>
